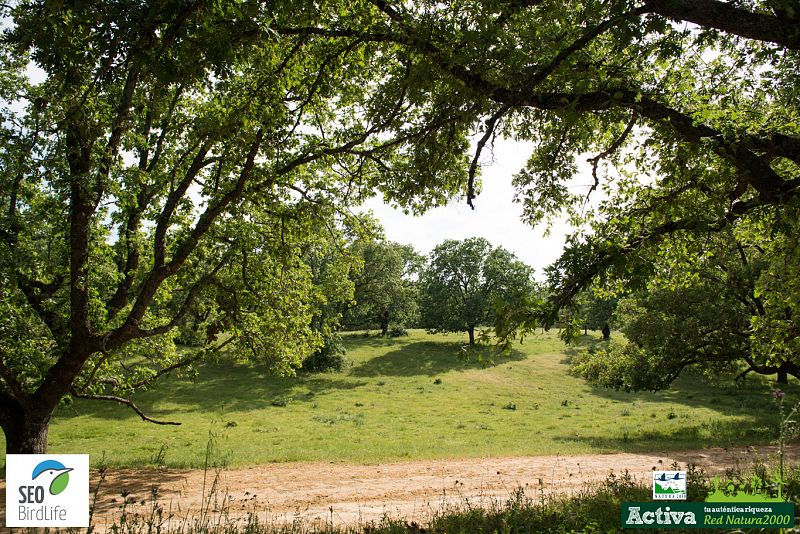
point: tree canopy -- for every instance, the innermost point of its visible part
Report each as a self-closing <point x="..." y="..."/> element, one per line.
<point x="385" y="289"/>
<point x="465" y="281"/>
<point x="176" y="155"/>
<point x="685" y="111"/>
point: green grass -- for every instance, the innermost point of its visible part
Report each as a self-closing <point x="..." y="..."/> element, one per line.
<point x="389" y="406"/>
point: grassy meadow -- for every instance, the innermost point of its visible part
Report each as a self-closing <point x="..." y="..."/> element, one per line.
<point x="412" y="397"/>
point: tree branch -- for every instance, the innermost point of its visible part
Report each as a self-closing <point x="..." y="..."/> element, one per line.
<point x="776" y="145"/>
<point x="603" y="258"/>
<point x="579" y="44"/>
<point x="491" y="123"/>
<point x="754" y="169"/>
<point x="174" y="197"/>
<point x="187" y="302"/>
<point x="161" y="271"/>
<point x="608" y="152"/>
<point x="728" y="18"/>
<point x="126" y="402"/>
<point x="36" y="293"/>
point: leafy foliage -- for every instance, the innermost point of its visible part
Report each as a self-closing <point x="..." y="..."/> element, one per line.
<point x="386" y="290"/>
<point x="464" y="283"/>
<point x="186" y="161"/>
<point x="698" y="313"/>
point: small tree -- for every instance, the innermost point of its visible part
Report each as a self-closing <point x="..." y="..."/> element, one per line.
<point x="598" y="313"/>
<point x="385" y="289"/>
<point x="464" y="281"/>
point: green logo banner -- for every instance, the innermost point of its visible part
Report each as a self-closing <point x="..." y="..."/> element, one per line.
<point x="724" y="515"/>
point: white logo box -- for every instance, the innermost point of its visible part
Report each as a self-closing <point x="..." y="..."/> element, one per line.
<point x="669" y="485"/>
<point x="30" y="501"/>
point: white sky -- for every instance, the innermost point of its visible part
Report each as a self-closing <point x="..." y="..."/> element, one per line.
<point x="496" y="217"/>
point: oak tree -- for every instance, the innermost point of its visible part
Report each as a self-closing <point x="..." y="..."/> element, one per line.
<point x="465" y="281"/>
<point x="700" y="314"/>
<point x="163" y="156"/>
<point x="385" y="291"/>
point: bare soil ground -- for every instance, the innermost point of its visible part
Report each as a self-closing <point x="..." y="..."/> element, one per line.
<point x="325" y="493"/>
<point x="334" y="493"/>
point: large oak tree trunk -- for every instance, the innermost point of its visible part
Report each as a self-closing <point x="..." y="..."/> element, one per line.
<point x="26" y="431"/>
<point x="25" y="418"/>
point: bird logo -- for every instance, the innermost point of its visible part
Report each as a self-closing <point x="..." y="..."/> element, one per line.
<point x="53" y="472"/>
<point x="664" y="478"/>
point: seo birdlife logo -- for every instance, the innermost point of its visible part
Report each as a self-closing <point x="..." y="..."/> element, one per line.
<point x="47" y="490"/>
<point x="55" y="473"/>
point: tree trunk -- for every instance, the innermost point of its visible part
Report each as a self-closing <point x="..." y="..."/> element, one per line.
<point x="471" y="332"/>
<point x="783" y="376"/>
<point x="606" y="330"/>
<point x="385" y="323"/>
<point x="26" y="433"/>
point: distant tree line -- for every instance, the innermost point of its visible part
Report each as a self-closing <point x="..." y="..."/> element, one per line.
<point x="455" y="289"/>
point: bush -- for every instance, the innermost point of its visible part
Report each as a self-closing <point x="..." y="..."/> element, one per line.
<point x="398" y="331"/>
<point x="330" y="358"/>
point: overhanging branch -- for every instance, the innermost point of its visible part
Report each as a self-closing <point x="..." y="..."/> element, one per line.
<point x="726" y="17"/>
<point x="608" y="152"/>
<point x="491" y="124"/>
<point x="603" y="258"/>
<point x="127" y="402"/>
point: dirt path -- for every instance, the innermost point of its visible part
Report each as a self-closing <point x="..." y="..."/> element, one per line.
<point x="352" y="494"/>
<point x="322" y="493"/>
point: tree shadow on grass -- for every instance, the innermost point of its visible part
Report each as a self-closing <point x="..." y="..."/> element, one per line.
<point x="429" y="358"/>
<point x="219" y="388"/>
<point x="747" y="415"/>
<point x="689" y="437"/>
<point x="750" y="399"/>
<point x="358" y="340"/>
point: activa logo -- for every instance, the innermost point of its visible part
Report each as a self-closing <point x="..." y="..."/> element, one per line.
<point x="659" y="517"/>
<point x="49" y="473"/>
<point x="47" y="491"/>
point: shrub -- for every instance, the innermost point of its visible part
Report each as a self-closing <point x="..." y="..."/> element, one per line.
<point x="331" y="357"/>
<point x="398" y="331"/>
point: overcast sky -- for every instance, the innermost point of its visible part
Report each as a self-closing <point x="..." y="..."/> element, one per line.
<point x="496" y="217"/>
